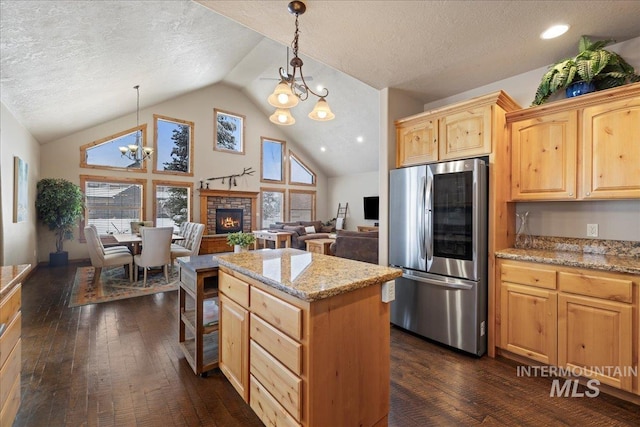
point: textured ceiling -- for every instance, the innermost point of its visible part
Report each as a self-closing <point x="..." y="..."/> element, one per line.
<point x="68" y="65"/>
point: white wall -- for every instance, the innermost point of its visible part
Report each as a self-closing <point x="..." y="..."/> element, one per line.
<point x="351" y="189"/>
<point x="18" y="240"/>
<point x="618" y="220"/>
<point x="61" y="158"/>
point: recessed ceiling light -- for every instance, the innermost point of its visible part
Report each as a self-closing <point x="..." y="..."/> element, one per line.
<point x="554" y="31"/>
<point x="359" y="139"/>
<point x="323" y="149"/>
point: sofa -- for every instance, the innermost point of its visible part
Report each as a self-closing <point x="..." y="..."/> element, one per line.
<point x="302" y="231"/>
<point x="356" y="245"/>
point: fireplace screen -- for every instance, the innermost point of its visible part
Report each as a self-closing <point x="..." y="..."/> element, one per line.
<point x="228" y="220"/>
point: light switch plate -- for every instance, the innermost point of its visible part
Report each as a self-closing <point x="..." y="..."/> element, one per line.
<point x="592" y="230"/>
<point x="389" y="291"/>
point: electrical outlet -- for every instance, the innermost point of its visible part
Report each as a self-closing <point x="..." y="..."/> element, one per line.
<point x="592" y="230"/>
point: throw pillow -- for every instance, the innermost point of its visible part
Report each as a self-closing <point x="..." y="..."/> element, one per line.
<point x="310" y="229"/>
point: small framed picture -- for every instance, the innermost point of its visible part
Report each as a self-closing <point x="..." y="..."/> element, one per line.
<point x="229" y="132"/>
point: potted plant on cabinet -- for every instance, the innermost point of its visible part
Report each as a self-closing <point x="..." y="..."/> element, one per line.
<point x="240" y="241"/>
<point x="594" y="68"/>
<point x="59" y="205"/>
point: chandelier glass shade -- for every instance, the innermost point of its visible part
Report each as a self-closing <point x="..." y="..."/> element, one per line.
<point x="293" y="88"/>
<point x="137" y="152"/>
<point x="282" y="116"/>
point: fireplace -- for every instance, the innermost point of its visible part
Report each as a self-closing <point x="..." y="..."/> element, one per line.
<point x="228" y="220"/>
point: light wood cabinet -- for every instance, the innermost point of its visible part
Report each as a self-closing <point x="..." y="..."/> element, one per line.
<point x="544" y="157"/>
<point x="417" y="142"/>
<point x="10" y="340"/>
<point x="297" y="371"/>
<point x="465" y="134"/>
<point x="582" y="148"/>
<point x="574" y="318"/>
<point x="611" y="150"/>
<point x="234" y="344"/>
<point x="458" y="131"/>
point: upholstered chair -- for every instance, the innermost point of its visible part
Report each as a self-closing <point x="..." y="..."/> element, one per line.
<point x="192" y="233"/>
<point x="156" y="250"/>
<point x="109" y="249"/>
<point x="100" y="258"/>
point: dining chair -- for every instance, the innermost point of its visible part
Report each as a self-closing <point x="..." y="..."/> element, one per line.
<point x="109" y="249"/>
<point x="190" y="245"/>
<point x="136" y="225"/>
<point x="156" y="250"/>
<point x="100" y="258"/>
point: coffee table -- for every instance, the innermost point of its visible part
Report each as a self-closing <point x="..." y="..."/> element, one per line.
<point x="320" y="246"/>
<point x="278" y="237"/>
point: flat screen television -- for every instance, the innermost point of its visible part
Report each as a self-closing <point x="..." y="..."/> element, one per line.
<point x="371" y="207"/>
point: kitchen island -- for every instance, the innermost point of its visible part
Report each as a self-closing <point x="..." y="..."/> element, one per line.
<point x="305" y="337"/>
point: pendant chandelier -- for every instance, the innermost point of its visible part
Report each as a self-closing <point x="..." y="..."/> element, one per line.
<point x="137" y="152"/>
<point x="289" y="91"/>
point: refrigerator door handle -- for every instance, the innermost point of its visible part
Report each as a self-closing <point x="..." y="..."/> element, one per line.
<point x="445" y="284"/>
<point x="421" y="225"/>
<point x="428" y="242"/>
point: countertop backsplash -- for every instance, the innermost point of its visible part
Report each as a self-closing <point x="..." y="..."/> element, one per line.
<point x="623" y="248"/>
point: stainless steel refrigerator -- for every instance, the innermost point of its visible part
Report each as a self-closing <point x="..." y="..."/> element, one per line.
<point x="438" y="237"/>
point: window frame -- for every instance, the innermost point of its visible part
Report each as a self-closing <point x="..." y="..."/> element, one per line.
<point x="313" y="202"/>
<point x="191" y="125"/>
<point x="304" y="165"/>
<point x="283" y="152"/>
<point x="113" y="179"/>
<point x="283" y="191"/>
<point x="85" y="147"/>
<point x="216" y="112"/>
<point x="160" y="183"/>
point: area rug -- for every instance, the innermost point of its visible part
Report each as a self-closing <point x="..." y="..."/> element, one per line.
<point x="114" y="285"/>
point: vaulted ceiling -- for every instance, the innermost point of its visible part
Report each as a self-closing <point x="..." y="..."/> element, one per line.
<point x="68" y="65"/>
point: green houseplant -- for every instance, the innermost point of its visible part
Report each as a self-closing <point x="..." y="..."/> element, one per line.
<point x="59" y="205"/>
<point x="240" y="240"/>
<point x="593" y="65"/>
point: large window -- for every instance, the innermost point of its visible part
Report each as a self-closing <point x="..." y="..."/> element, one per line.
<point x="105" y="153"/>
<point x="112" y="203"/>
<point x="272" y="207"/>
<point x="302" y="205"/>
<point x="172" y="203"/>
<point x="299" y="173"/>
<point x="173" y="146"/>
<point x="272" y="160"/>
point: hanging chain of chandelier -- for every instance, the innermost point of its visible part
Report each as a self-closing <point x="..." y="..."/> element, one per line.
<point x="288" y="92"/>
<point x="137" y="152"/>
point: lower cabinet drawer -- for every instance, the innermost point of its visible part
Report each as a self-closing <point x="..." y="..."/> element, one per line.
<point x="596" y="285"/>
<point x="234" y="288"/>
<point x="10" y="372"/>
<point x="281" y="314"/>
<point x="283" y="348"/>
<point x="10" y="407"/>
<point x="266" y="407"/>
<point x="10" y="305"/>
<point x="281" y="383"/>
<point x="10" y="337"/>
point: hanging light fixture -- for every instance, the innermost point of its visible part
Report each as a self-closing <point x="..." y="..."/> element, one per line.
<point x="136" y="151"/>
<point x="288" y="92"/>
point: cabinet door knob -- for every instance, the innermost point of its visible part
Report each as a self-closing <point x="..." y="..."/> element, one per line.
<point x="571" y="194"/>
<point x="588" y="193"/>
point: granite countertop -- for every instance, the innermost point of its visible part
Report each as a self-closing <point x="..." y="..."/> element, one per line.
<point x="305" y="275"/>
<point x="10" y="276"/>
<point x="596" y="261"/>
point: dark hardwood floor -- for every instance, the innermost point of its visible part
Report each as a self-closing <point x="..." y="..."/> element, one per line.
<point x="119" y="364"/>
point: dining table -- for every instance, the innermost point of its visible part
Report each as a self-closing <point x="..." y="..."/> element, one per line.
<point x="134" y="240"/>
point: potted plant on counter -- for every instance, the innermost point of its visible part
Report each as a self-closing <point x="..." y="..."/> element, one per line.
<point x="594" y="68"/>
<point x="240" y="241"/>
<point x="59" y="205"/>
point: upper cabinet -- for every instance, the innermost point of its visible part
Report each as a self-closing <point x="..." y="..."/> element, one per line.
<point x="583" y="148"/>
<point x="417" y="142"/>
<point x="458" y="131"/>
